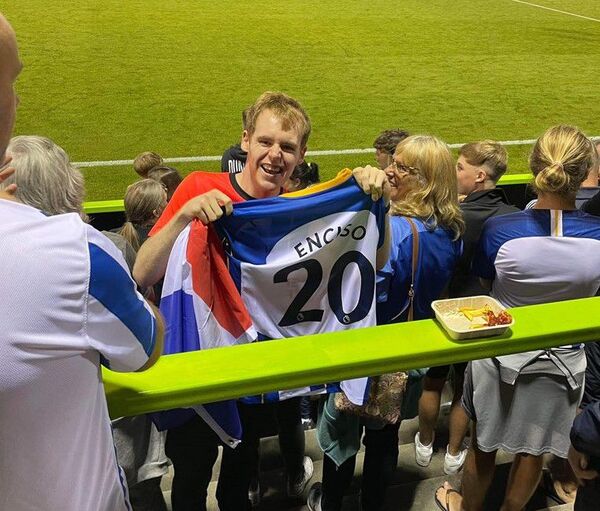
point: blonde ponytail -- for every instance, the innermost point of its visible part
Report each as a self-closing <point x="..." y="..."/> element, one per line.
<point x="561" y="160"/>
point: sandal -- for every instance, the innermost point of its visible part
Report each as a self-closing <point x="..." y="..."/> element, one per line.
<point x="439" y="504"/>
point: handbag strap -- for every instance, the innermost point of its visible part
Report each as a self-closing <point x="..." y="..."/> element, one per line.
<point x="415" y="260"/>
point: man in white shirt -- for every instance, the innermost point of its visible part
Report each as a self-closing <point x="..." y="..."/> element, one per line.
<point x="68" y="304"/>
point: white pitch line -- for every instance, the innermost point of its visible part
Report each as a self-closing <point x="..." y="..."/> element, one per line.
<point x="325" y="152"/>
<point x="557" y="10"/>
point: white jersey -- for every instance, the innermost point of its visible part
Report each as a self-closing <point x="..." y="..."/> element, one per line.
<point x="305" y="264"/>
<point x="67" y="304"/>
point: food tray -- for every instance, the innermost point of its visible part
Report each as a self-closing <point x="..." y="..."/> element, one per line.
<point x="457" y="326"/>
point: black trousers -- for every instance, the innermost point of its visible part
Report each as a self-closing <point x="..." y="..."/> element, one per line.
<point x="381" y="458"/>
<point x="193" y="449"/>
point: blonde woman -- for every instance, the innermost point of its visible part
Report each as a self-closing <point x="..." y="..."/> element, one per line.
<point x="423" y="189"/>
<point x="525" y="403"/>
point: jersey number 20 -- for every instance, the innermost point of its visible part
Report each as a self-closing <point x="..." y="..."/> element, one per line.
<point x="294" y="313"/>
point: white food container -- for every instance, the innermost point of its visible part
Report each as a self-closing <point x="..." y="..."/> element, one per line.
<point x="458" y="326"/>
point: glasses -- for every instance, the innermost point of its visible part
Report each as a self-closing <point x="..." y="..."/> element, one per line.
<point x="399" y="167"/>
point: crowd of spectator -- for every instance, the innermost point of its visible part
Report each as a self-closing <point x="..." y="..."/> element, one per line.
<point x="71" y="305"/>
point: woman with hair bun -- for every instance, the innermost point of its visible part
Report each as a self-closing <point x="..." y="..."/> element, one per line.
<point x="525" y="403"/>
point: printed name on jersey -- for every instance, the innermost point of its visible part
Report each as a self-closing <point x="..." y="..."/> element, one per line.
<point x="318" y="239"/>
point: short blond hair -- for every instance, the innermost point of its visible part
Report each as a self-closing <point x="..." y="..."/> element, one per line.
<point x="145" y="161"/>
<point x="488" y="153"/>
<point x="436" y="201"/>
<point x="286" y="108"/>
<point x="561" y="160"/>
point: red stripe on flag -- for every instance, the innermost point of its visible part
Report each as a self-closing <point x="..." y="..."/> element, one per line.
<point x="212" y="282"/>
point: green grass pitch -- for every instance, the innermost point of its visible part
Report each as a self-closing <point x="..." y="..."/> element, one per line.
<point x="109" y="79"/>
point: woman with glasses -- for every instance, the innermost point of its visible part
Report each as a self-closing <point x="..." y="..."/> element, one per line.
<point x="424" y="192"/>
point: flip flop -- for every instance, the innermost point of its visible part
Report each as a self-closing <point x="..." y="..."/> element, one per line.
<point x="448" y="492"/>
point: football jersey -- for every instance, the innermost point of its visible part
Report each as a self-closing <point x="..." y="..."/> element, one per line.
<point x="68" y="303"/>
<point x="539" y="256"/>
<point x="304" y="263"/>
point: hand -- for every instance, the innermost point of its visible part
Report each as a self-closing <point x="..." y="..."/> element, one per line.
<point x="5" y="172"/>
<point x="207" y="207"/>
<point x="373" y="182"/>
<point x="579" y="464"/>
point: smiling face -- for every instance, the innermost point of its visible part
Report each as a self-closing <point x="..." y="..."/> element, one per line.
<point x="10" y="67"/>
<point x="403" y="178"/>
<point x="273" y="153"/>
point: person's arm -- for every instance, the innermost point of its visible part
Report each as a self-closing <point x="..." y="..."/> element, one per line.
<point x="579" y="463"/>
<point x="153" y="255"/>
<point x="374" y="182"/>
<point x="383" y="252"/>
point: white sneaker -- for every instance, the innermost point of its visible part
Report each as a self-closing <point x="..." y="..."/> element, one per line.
<point x="452" y="464"/>
<point x="296" y="488"/>
<point x="423" y="453"/>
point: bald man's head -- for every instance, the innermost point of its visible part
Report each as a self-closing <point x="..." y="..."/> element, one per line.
<point x="10" y="67"/>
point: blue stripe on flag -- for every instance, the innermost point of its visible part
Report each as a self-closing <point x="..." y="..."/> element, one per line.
<point x="181" y="328"/>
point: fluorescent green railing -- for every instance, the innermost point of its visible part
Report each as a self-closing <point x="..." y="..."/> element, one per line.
<point x="103" y="206"/>
<point x="212" y="375"/>
<point x="111" y="206"/>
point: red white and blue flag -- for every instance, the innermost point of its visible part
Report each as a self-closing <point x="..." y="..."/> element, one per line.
<point x="276" y="251"/>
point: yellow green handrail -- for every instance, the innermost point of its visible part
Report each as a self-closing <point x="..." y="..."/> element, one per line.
<point x="212" y="375"/>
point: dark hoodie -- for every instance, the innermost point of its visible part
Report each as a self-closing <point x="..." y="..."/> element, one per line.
<point x="477" y="208"/>
<point x="233" y="159"/>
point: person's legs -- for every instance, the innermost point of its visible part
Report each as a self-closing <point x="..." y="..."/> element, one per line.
<point x="524" y="477"/>
<point x="459" y="420"/>
<point x="147" y="496"/>
<point x="381" y="459"/>
<point x="193" y="450"/>
<point x="336" y="481"/>
<point x="237" y="465"/>
<point x="291" y="436"/>
<point x="478" y="473"/>
<point x="429" y="405"/>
